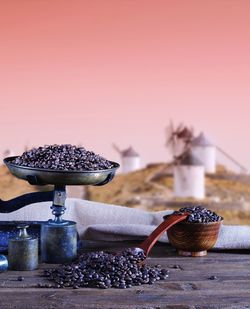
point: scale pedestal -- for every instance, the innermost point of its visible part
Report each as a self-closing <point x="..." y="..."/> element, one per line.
<point x="58" y="236"/>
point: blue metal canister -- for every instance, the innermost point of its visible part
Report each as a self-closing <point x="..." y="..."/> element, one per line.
<point x="58" y="242"/>
<point x="23" y="251"/>
<point x="3" y="263"/>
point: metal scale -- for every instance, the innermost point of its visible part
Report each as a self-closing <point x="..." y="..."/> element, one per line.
<point x="58" y="236"/>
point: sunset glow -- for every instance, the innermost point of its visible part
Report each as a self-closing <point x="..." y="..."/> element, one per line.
<point x="103" y="71"/>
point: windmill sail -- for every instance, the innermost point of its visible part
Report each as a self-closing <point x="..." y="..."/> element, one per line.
<point x="116" y="148"/>
<point x="178" y="140"/>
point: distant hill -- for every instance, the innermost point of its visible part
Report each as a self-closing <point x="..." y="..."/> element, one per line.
<point x="11" y="186"/>
<point x="151" y="189"/>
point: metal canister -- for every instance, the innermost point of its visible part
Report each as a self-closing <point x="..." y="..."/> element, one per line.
<point x="58" y="241"/>
<point x="23" y="251"/>
<point x="3" y="263"/>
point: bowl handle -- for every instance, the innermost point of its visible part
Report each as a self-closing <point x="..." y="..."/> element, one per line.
<point x="171" y="220"/>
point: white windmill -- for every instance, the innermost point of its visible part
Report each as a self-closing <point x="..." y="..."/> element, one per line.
<point x="130" y="159"/>
<point x="205" y="151"/>
<point x="189" y="177"/>
<point x="189" y="172"/>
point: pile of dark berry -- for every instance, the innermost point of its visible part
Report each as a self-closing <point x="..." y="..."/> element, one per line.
<point x="199" y="214"/>
<point x="63" y="157"/>
<point x="106" y="270"/>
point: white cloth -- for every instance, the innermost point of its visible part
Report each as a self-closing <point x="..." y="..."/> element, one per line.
<point x="99" y="221"/>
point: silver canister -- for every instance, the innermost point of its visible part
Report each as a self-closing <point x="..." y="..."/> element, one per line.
<point x="3" y="263"/>
<point x="23" y="251"/>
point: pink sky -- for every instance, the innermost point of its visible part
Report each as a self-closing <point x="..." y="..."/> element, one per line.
<point x="103" y="71"/>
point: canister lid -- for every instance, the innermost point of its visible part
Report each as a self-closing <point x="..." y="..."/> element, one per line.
<point x="62" y="223"/>
<point x="23" y="234"/>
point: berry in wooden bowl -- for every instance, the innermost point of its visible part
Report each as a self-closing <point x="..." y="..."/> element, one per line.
<point x="197" y="234"/>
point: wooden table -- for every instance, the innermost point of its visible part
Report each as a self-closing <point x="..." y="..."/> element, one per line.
<point x="188" y="285"/>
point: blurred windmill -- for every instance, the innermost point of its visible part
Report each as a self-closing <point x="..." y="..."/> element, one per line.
<point x="189" y="176"/>
<point x="131" y="160"/>
<point x="178" y="140"/>
<point x="8" y="153"/>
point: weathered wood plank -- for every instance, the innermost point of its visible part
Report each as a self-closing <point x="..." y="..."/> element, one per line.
<point x="92" y="298"/>
<point x="187" y="287"/>
<point x="176" y="275"/>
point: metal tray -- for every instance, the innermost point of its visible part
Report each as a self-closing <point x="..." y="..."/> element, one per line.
<point x="39" y="176"/>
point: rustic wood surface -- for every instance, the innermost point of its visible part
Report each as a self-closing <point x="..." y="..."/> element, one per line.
<point x="188" y="285"/>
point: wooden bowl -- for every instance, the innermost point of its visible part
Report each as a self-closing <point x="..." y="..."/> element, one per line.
<point x="194" y="239"/>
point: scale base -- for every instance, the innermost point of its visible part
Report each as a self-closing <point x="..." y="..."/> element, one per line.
<point x="58" y="242"/>
<point x="193" y="254"/>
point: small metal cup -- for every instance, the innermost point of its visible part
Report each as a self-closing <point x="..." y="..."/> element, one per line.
<point x="23" y="251"/>
<point x="3" y="263"/>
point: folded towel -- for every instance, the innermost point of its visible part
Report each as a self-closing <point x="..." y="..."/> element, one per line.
<point x="99" y="221"/>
